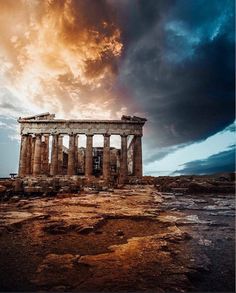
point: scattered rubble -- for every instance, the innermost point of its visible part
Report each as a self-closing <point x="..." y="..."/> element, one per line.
<point x="51" y="186"/>
<point x="196" y="184"/>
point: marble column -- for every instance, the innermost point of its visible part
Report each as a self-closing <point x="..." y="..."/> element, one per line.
<point x="23" y="155"/>
<point x="71" y="155"/>
<point x="89" y="156"/>
<point x="123" y="163"/>
<point x="29" y="155"/>
<point x="76" y="153"/>
<point x="106" y="157"/>
<point x="32" y="153"/>
<point x="37" y="156"/>
<point x="54" y="155"/>
<point x="137" y="156"/>
<point x="60" y="154"/>
<point x="45" y="155"/>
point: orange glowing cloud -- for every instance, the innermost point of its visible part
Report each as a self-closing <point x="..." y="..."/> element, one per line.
<point x="60" y="56"/>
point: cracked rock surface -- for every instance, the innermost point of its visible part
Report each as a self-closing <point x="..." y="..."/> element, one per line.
<point x="131" y="239"/>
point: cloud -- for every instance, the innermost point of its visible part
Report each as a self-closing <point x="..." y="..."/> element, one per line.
<point x="11" y="106"/>
<point x="221" y="162"/>
<point x="152" y="155"/>
<point x="171" y="61"/>
<point x="60" y="56"/>
<point x="180" y="70"/>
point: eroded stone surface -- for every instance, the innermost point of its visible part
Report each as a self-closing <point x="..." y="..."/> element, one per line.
<point x="130" y="239"/>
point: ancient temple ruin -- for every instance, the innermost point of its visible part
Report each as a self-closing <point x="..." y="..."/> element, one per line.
<point x="38" y="157"/>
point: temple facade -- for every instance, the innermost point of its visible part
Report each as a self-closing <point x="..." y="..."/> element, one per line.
<point x="39" y="157"/>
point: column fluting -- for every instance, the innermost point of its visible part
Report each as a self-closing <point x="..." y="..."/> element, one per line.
<point x="89" y="156"/>
<point x="29" y="155"/>
<point x="23" y="155"/>
<point x="71" y="155"/>
<point x="37" y="156"/>
<point x="60" y="154"/>
<point x="106" y="157"/>
<point x="54" y="155"/>
<point x="137" y="156"/>
<point x="123" y="163"/>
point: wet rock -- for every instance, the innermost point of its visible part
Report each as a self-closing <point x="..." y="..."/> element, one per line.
<point x="182" y="220"/>
<point x="191" y="219"/>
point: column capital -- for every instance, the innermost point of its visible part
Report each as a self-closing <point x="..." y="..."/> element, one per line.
<point x="106" y="134"/>
<point x="90" y="135"/>
<point x="123" y="135"/>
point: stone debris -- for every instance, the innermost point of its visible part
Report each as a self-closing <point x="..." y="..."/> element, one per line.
<point x="196" y="184"/>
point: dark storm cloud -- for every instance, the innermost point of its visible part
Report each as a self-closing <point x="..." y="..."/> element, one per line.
<point x="221" y="162"/>
<point x="179" y="67"/>
<point x="152" y="155"/>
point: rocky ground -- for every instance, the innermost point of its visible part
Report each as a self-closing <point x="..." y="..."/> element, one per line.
<point x="131" y="239"/>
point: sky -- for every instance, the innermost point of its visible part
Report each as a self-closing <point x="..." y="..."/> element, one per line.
<point x="171" y="61"/>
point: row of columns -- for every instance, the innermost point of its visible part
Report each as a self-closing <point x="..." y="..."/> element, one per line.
<point x="34" y="156"/>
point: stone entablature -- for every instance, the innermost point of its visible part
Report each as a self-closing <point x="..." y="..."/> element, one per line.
<point x="36" y="130"/>
<point x="92" y="127"/>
